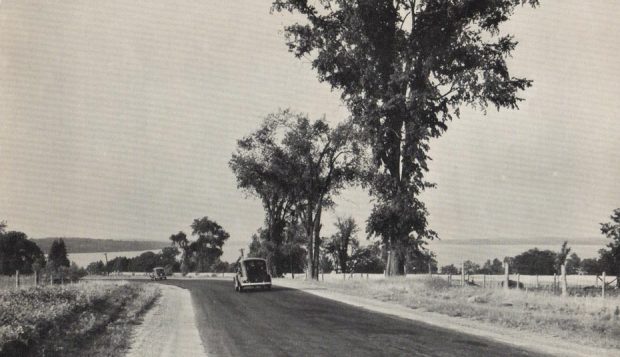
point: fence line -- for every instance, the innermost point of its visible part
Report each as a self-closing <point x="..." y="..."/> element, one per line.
<point x="19" y="280"/>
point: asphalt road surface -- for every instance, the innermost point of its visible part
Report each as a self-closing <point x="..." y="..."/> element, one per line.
<point x="287" y="322"/>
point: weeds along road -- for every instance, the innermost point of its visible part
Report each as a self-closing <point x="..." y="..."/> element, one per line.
<point x="288" y="322"/>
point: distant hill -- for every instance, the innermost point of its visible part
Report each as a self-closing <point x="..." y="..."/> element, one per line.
<point x="93" y="245"/>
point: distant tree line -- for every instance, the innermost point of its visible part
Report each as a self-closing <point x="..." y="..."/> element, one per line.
<point x="547" y="262"/>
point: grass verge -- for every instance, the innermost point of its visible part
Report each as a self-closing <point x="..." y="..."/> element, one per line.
<point x="587" y="320"/>
<point x="85" y="319"/>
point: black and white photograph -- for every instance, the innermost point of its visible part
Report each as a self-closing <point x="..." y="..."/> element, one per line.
<point x="309" y="178"/>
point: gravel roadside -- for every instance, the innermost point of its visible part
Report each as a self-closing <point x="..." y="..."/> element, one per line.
<point x="169" y="328"/>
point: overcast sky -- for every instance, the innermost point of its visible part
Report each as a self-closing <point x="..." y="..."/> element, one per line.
<point x="118" y="118"/>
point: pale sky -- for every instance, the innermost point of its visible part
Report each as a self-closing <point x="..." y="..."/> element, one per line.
<point x="118" y="118"/>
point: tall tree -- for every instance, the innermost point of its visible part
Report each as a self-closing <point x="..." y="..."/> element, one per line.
<point x="57" y="256"/>
<point x="314" y="162"/>
<point x="610" y="258"/>
<point x="181" y="241"/>
<point x="341" y="243"/>
<point x="208" y="245"/>
<point x="404" y="69"/>
<point x="257" y="165"/>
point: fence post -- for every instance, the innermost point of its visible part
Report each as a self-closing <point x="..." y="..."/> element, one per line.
<point x="51" y="278"/>
<point x="506" y="276"/>
<point x="564" y="282"/>
<point x="462" y="274"/>
<point x="518" y="281"/>
<point x="603" y="286"/>
<point x="17" y="279"/>
<point x="537" y="286"/>
<point x="36" y="278"/>
<point x="555" y="282"/>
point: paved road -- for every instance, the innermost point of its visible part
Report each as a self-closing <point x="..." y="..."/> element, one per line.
<point x="287" y="322"/>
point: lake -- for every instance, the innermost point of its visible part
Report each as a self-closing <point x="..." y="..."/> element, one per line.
<point x="451" y="253"/>
<point x="447" y="252"/>
<point x="83" y="259"/>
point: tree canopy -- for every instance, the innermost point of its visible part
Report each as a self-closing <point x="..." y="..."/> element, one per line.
<point x="296" y="166"/>
<point x="209" y="242"/>
<point x="17" y="252"/>
<point x="404" y="70"/>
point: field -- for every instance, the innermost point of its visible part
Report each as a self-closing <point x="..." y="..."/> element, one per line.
<point x="91" y="318"/>
<point x="590" y="319"/>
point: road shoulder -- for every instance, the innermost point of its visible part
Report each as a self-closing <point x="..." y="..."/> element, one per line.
<point x="529" y="341"/>
<point x="169" y="328"/>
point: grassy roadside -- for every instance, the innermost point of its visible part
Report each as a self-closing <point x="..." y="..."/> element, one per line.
<point x="585" y="320"/>
<point x="86" y="319"/>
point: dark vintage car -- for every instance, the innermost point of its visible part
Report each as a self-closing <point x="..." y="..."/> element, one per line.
<point x="252" y="273"/>
<point x="158" y="274"/>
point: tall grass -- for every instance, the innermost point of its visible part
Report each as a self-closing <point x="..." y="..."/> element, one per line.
<point x="73" y="320"/>
<point x="592" y="320"/>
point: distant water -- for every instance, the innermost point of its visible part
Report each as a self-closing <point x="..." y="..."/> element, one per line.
<point x="450" y="253"/>
<point x="446" y="252"/>
<point x="83" y="259"/>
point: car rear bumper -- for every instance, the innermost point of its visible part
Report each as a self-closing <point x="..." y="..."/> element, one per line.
<point x="264" y="283"/>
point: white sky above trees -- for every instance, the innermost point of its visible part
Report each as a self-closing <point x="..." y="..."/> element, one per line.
<point x="117" y="120"/>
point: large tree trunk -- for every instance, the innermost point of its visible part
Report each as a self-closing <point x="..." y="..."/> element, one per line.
<point x="317" y="241"/>
<point x="395" y="265"/>
<point x="308" y="225"/>
<point x="313" y="231"/>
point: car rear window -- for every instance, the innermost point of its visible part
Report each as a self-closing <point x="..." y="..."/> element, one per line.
<point x="255" y="267"/>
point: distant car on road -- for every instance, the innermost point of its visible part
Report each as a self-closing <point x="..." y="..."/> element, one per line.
<point x="252" y="273"/>
<point x="158" y="274"/>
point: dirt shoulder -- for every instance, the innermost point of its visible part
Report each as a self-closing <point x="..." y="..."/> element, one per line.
<point x="518" y="338"/>
<point x="169" y="328"/>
